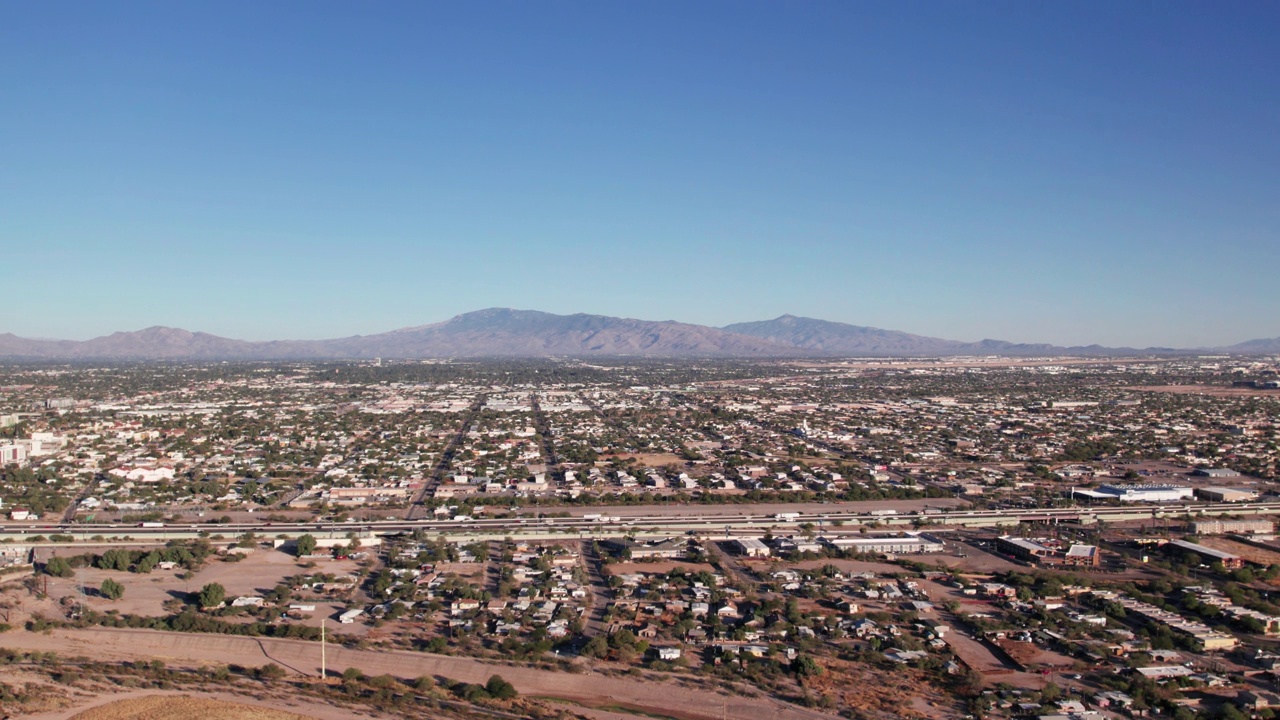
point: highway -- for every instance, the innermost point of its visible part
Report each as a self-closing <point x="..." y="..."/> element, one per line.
<point x="673" y="520"/>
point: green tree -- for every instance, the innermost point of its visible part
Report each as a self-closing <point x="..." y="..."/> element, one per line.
<point x="212" y="595"/>
<point x="805" y="666"/>
<point x="58" y="567"/>
<point x="111" y="589"/>
<point x="596" y="647"/>
<point x="306" y="545"/>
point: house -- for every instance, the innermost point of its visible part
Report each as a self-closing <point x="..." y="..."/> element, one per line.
<point x="1257" y="700"/>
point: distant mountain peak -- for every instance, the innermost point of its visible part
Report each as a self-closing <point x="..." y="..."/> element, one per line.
<point x="510" y="332"/>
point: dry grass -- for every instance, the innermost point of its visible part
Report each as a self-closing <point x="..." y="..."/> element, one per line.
<point x="182" y="707"/>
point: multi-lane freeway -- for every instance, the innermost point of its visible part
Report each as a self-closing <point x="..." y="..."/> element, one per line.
<point x="670" y="520"/>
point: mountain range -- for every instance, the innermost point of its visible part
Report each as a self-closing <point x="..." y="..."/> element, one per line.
<point x="503" y="332"/>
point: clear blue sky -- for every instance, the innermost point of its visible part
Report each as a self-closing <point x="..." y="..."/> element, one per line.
<point x="1069" y="172"/>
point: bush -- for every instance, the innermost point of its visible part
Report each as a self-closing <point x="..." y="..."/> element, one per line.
<point x="111" y="589"/>
<point x="270" y="671"/>
<point x="500" y="688"/>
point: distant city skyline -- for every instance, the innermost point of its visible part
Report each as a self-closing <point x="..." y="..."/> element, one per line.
<point x="1060" y="173"/>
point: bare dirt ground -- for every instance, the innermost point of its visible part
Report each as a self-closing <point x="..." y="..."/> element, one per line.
<point x="653" y="459"/>
<point x="181" y="707"/>
<point x="1210" y="390"/>
<point x="902" y="693"/>
<point x="194" y="650"/>
<point x="146" y="594"/>
<point x="281" y="706"/>
<point x="1248" y="552"/>
<point x="976" y="560"/>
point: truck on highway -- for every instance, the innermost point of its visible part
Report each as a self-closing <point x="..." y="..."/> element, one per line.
<point x="151" y="524"/>
<point x="786" y="516"/>
<point x="884" y="512"/>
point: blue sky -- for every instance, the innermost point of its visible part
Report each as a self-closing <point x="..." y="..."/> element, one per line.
<point x="1044" y="172"/>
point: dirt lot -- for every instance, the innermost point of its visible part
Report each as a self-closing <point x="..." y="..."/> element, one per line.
<point x="146" y="594"/>
<point x="191" y="650"/>
<point x="653" y="459"/>
<point x="182" y="707"/>
<point x="1248" y="552"/>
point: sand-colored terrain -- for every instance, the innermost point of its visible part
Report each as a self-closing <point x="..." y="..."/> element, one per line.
<point x="649" y="695"/>
<point x="182" y="707"/>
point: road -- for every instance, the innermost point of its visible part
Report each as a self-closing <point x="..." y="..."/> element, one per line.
<point x="446" y="457"/>
<point x="590" y="688"/>
<point x="593" y="623"/>
<point x="709" y="521"/>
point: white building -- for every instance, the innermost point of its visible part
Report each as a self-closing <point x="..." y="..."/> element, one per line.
<point x="910" y="544"/>
<point x="1147" y="493"/>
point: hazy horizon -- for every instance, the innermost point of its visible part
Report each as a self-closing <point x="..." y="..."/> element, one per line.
<point x="1058" y="173"/>
<point x="438" y="321"/>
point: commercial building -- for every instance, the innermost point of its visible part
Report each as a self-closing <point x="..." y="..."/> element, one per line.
<point x="1147" y="493"/>
<point x="1032" y="551"/>
<point x="1222" y="527"/>
<point x="654" y="549"/>
<point x="910" y="544"/>
<point x="13" y="453"/>
<point x="1082" y="556"/>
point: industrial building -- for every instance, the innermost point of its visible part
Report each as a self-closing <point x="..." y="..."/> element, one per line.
<point x="1215" y="472"/>
<point x="1207" y="553"/>
<point x="1147" y="493"/>
<point x="1225" y="494"/>
<point x="1022" y="548"/>
<point x="752" y="547"/>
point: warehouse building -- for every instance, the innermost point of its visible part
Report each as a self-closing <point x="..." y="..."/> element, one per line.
<point x="1022" y="548"/>
<point x="1225" y="494"/>
<point x="1208" y="554"/>
<point x="752" y="547"/>
<point x="1147" y="493"/>
<point x="1215" y="472"/>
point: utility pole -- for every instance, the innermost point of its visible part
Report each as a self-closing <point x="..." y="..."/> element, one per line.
<point x="324" y="674"/>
